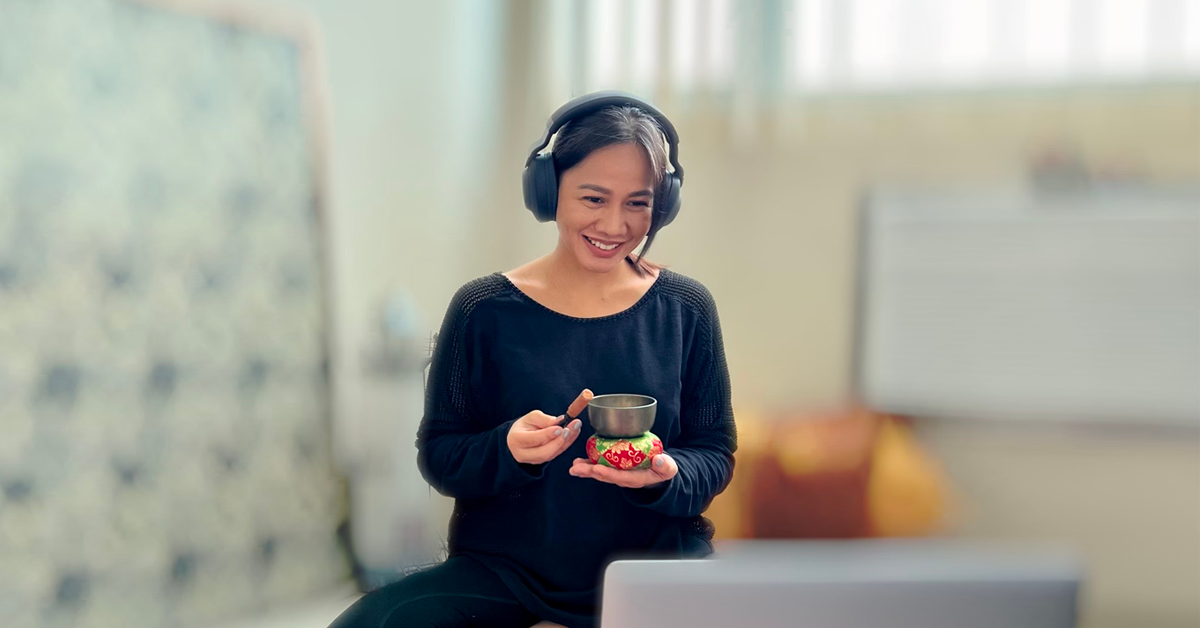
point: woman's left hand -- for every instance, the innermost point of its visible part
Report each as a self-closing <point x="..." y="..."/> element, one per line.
<point x="662" y="468"/>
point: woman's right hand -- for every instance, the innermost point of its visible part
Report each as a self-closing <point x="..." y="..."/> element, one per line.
<point x="537" y="437"/>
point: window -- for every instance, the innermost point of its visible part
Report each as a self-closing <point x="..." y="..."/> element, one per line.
<point x="913" y="43"/>
<point x="691" y="46"/>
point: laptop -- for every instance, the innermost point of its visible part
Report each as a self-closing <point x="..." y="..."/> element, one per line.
<point x="847" y="584"/>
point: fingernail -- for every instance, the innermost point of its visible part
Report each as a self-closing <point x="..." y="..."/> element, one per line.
<point x="576" y="425"/>
<point x="658" y="462"/>
<point x="558" y="432"/>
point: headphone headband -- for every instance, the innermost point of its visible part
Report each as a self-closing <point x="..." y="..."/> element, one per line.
<point x="591" y="103"/>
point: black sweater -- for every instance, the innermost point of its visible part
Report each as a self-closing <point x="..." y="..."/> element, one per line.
<point x="546" y="533"/>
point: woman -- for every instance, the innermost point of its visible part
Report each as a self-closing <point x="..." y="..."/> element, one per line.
<point x="535" y="523"/>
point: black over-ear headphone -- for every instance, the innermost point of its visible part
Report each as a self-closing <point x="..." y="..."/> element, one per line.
<point x="541" y="181"/>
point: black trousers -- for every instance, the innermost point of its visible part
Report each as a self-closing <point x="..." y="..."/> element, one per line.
<point x="459" y="593"/>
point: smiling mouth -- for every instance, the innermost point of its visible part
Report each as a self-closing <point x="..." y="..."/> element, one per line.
<point x="603" y="246"/>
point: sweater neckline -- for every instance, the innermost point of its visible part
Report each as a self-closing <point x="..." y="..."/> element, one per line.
<point x="590" y="319"/>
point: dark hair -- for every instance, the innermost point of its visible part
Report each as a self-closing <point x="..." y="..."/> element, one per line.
<point x="621" y="124"/>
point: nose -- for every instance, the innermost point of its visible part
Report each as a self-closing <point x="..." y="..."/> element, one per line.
<point x="611" y="222"/>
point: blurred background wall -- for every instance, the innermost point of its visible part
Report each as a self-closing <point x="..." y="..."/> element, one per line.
<point x="776" y="163"/>
<point x="775" y="169"/>
<point x="164" y="358"/>
<point x="788" y="111"/>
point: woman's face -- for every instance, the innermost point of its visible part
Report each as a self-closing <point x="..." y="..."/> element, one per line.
<point x="604" y="206"/>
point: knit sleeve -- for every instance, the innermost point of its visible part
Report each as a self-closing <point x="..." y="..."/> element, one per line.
<point x="708" y="436"/>
<point x="457" y="453"/>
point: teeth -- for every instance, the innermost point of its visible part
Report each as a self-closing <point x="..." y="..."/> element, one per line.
<point x="602" y="247"/>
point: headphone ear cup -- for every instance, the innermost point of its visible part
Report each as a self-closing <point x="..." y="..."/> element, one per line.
<point x="670" y="200"/>
<point x="540" y="185"/>
<point x="529" y="189"/>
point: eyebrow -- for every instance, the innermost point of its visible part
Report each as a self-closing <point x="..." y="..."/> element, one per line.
<point x="604" y="190"/>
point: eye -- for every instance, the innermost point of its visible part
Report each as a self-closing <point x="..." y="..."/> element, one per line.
<point x="595" y="200"/>
<point x="640" y="204"/>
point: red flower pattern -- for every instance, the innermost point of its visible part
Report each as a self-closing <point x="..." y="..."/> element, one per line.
<point x="623" y="454"/>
